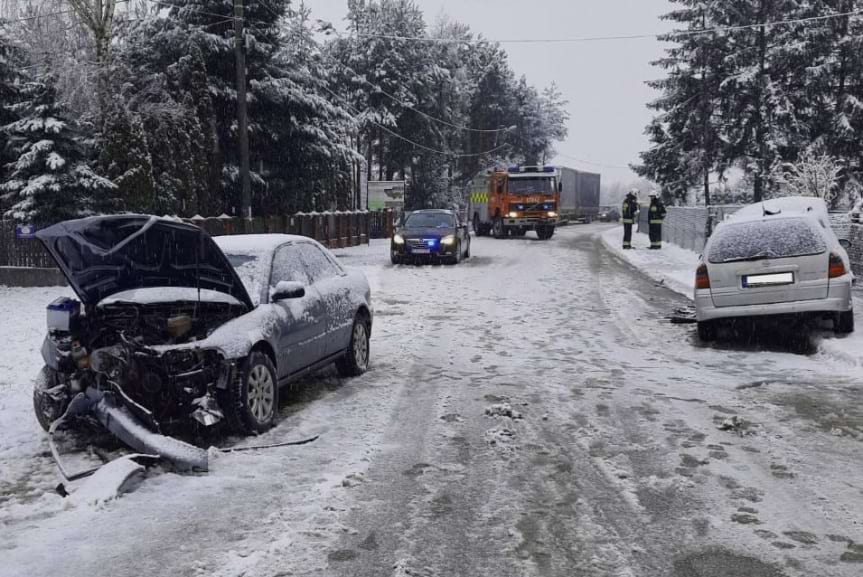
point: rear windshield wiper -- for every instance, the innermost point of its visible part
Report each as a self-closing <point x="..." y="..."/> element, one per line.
<point x="752" y="258"/>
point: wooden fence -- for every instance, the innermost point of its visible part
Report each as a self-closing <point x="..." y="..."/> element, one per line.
<point x="21" y="253"/>
<point x="332" y="229"/>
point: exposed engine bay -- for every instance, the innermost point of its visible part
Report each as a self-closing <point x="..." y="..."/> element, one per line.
<point x="111" y="348"/>
<point x="126" y="352"/>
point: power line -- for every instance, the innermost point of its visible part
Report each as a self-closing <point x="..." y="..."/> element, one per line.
<point x="414" y="143"/>
<point x="579" y="39"/>
<point x="594" y="163"/>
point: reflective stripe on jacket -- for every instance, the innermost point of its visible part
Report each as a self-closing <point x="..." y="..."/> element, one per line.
<point x="657" y="212"/>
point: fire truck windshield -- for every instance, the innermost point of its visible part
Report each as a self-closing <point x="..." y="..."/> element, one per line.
<point x="531" y="185"/>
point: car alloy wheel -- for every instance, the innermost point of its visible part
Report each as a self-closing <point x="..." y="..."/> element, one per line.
<point x="261" y="397"/>
<point x="355" y="361"/>
<point x="361" y="346"/>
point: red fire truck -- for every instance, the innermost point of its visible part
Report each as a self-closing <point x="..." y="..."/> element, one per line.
<point x="513" y="201"/>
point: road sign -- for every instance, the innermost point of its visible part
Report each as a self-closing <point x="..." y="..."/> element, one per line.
<point x="385" y="194"/>
<point x="25" y="231"/>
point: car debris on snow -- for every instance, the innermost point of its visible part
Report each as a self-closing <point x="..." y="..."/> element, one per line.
<point x="353" y="480"/>
<point x="107" y="483"/>
<point x="735" y="424"/>
<point x="503" y="410"/>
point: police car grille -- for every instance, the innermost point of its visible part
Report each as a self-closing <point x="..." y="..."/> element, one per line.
<point x="417" y="243"/>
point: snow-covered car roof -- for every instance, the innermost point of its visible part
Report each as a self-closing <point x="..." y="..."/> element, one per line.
<point x="786" y="206"/>
<point x="255" y="243"/>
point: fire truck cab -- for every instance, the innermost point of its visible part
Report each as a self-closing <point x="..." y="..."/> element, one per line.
<point x="516" y="200"/>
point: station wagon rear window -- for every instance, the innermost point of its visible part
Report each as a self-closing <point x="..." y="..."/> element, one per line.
<point x="769" y="239"/>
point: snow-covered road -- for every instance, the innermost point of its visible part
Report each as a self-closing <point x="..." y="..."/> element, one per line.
<point x="529" y="412"/>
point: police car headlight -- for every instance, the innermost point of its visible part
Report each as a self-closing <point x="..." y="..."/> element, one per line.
<point x="398" y="239"/>
<point x="552" y="214"/>
<point x="513" y="215"/>
<point x="448" y="240"/>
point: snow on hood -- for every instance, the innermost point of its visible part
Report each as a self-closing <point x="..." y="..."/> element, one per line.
<point x="153" y="295"/>
<point x="104" y="255"/>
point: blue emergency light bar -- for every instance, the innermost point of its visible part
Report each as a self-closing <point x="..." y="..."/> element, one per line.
<point x="519" y="169"/>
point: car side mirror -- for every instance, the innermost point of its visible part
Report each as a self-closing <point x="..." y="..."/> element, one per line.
<point x="845" y="243"/>
<point x="287" y="289"/>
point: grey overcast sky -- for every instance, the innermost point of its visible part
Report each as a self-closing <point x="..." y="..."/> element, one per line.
<point x="603" y="81"/>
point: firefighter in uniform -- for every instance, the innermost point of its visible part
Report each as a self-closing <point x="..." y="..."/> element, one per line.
<point x="629" y="216"/>
<point x="655" y="215"/>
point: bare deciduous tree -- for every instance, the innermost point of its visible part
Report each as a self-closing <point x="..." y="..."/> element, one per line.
<point x="98" y="17"/>
<point x="814" y="174"/>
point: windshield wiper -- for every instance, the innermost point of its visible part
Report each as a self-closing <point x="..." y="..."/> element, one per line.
<point x="752" y="258"/>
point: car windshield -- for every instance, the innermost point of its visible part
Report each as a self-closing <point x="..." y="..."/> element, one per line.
<point x="248" y="267"/>
<point x="531" y="185"/>
<point x="770" y="239"/>
<point x="430" y="220"/>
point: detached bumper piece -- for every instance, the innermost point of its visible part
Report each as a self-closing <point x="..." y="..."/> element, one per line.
<point x="126" y="427"/>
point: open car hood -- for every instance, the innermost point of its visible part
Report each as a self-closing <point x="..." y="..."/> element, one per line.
<point x="104" y="255"/>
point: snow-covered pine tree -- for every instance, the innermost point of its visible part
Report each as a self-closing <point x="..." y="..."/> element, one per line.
<point x="307" y="156"/>
<point x="125" y="159"/>
<point x="208" y="25"/>
<point x="385" y="80"/>
<point x="188" y="79"/>
<point x="541" y="121"/>
<point x="828" y="70"/>
<point x="492" y="106"/>
<point x="9" y="82"/>
<point x="50" y="180"/>
<point x="169" y="92"/>
<point x="555" y="117"/>
<point x="686" y="144"/>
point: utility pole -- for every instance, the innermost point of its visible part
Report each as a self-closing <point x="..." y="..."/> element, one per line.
<point x="706" y="144"/>
<point x="240" y="50"/>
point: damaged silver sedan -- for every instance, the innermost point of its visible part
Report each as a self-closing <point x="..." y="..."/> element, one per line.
<point x="173" y="328"/>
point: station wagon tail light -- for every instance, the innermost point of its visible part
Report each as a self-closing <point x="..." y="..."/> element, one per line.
<point x="837" y="266"/>
<point x="702" y="279"/>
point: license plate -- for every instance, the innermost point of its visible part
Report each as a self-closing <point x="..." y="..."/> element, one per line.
<point x="421" y="251"/>
<point x="759" y="280"/>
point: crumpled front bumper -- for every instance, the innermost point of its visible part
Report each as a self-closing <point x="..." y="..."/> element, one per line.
<point x="126" y="427"/>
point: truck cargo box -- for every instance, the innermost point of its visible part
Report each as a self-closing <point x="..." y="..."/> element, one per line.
<point x="579" y="195"/>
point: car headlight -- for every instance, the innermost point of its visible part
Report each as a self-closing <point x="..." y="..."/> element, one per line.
<point x="448" y="240"/>
<point x="513" y="215"/>
<point x="552" y="214"/>
<point x="398" y="239"/>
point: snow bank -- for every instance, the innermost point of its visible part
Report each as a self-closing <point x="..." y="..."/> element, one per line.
<point x="673" y="266"/>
